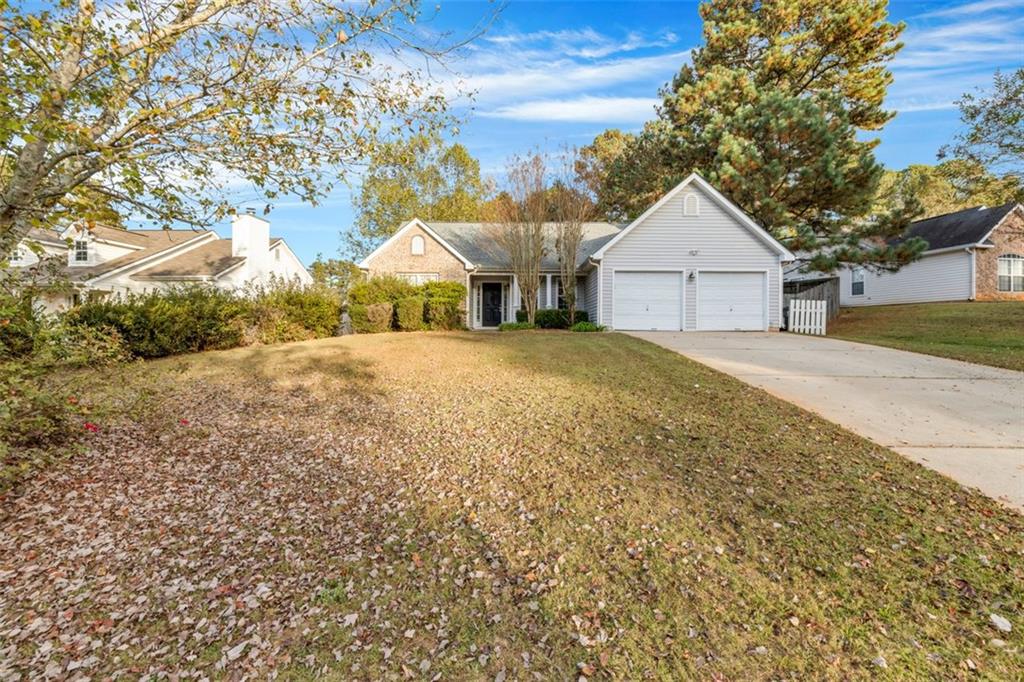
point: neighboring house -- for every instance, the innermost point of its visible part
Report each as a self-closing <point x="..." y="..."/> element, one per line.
<point x="693" y="261"/>
<point x="106" y="261"/>
<point x="974" y="254"/>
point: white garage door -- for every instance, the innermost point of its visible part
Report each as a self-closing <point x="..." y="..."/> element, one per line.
<point x="728" y="301"/>
<point x="648" y="300"/>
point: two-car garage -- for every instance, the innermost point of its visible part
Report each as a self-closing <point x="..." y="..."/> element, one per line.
<point x="656" y="300"/>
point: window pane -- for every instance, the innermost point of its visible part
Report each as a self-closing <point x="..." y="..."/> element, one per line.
<point x="1004" y="283"/>
<point x="858" y="288"/>
<point x="1018" y="283"/>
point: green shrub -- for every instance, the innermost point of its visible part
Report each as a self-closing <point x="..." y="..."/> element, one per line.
<point x="316" y="309"/>
<point x="384" y="289"/>
<point x="370" y="319"/>
<point x="19" y="325"/>
<point x="181" y="320"/>
<point x="515" y="326"/>
<point x="444" y="289"/>
<point x="60" y="344"/>
<point x="552" y="318"/>
<point x="444" y="313"/>
<point x="409" y="313"/>
<point x="34" y="420"/>
<point x="587" y="327"/>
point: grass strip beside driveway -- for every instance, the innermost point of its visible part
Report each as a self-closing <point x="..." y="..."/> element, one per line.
<point x="988" y="333"/>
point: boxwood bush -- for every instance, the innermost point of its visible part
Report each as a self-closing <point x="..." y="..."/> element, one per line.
<point x="370" y="319"/>
<point x="586" y="327"/>
<point x="552" y="318"/>
<point x="434" y="305"/>
<point x="515" y="326"/>
<point x="197" y="318"/>
<point x="409" y="313"/>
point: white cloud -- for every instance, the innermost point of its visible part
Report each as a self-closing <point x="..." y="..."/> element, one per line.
<point x="974" y="8"/>
<point x="584" y="109"/>
<point x="585" y="42"/>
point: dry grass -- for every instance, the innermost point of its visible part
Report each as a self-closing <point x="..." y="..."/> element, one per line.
<point x="475" y="505"/>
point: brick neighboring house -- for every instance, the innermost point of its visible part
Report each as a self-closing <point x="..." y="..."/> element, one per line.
<point x="973" y="255"/>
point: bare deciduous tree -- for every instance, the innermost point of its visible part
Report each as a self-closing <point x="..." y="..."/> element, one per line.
<point x="573" y="206"/>
<point x="516" y="224"/>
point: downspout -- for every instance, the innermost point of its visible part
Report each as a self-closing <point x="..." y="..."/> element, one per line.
<point x="974" y="272"/>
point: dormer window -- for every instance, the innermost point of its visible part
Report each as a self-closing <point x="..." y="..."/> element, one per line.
<point x="417" y="246"/>
<point x="81" y="247"/>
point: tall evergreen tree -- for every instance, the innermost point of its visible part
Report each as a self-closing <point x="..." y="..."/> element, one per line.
<point x="770" y="111"/>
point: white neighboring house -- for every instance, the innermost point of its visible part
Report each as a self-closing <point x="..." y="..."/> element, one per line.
<point x="976" y="254"/>
<point x="108" y="261"/>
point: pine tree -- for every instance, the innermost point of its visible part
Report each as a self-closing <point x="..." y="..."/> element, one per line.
<point x="770" y="112"/>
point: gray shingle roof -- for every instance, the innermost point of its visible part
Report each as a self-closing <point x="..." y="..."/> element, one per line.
<point x="476" y="243"/>
<point x="962" y="228"/>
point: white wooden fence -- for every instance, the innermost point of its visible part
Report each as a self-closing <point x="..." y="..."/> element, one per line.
<point x="808" y="317"/>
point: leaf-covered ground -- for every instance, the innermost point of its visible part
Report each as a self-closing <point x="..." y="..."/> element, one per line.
<point x="989" y="333"/>
<point x="484" y="506"/>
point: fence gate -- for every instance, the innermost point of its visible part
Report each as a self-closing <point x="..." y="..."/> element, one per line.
<point x="807" y="317"/>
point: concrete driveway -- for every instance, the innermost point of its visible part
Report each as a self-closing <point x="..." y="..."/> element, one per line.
<point x="960" y="419"/>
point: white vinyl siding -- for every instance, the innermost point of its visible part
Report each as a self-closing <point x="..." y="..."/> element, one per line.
<point x="940" y="277"/>
<point x="648" y="300"/>
<point x="669" y="240"/>
<point x="589" y="302"/>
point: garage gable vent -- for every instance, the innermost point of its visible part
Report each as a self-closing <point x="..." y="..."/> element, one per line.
<point x="691" y="204"/>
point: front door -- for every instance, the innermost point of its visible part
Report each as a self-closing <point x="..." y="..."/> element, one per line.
<point x="491" y="296"/>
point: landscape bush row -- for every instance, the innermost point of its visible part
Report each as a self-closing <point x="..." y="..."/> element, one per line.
<point x="384" y="304"/>
<point x="581" y="326"/>
<point x="39" y="410"/>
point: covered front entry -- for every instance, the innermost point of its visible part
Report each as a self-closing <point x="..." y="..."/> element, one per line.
<point x="732" y="301"/>
<point x="491" y="301"/>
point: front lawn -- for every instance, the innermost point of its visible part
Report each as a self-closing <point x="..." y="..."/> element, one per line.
<point x="493" y="506"/>
<point x="989" y="333"/>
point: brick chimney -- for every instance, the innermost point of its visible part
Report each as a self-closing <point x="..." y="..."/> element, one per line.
<point x="250" y="237"/>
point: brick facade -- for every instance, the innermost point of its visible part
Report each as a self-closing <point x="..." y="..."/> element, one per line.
<point x="397" y="258"/>
<point x="1008" y="238"/>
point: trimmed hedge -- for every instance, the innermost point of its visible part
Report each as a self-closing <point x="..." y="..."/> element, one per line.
<point x="443" y="313"/>
<point x="198" y="318"/>
<point x="371" y="319"/>
<point x="434" y="305"/>
<point x="587" y="327"/>
<point x="409" y="313"/>
<point x="515" y="326"/>
<point x="381" y="290"/>
<point x="552" y="318"/>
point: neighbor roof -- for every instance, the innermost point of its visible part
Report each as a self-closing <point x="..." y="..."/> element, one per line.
<point x="476" y="244"/>
<point x="962" y="228"/>
<point x="207" y="260"/>
<point x="151" y="242"/>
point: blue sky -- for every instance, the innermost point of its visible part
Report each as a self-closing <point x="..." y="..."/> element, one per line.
<point x="550" y="73"/>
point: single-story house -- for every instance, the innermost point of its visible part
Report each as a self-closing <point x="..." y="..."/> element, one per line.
<point x="974" y="254"/>
<point x="692" y="261"/>
<point x="108" y="261"/>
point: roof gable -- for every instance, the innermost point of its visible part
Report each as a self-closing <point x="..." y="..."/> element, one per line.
<point x="729" y="207"/>
<point x="968" y="227"/>
<point x="415" y="222"/>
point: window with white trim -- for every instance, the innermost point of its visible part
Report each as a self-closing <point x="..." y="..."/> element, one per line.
<point x="81" y="251"/>
<point x="418" y="278"/>
<point x="417" y="246"/>
<point x="691" y="204"/>
<point x="20" y="255"/>
<point x="857" y="282"/>
<point x="1011" y="273"/>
